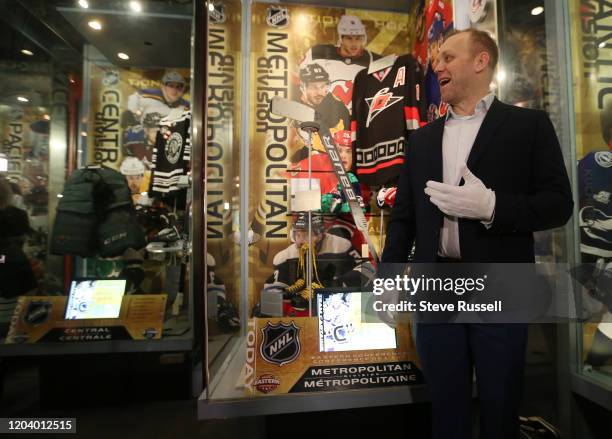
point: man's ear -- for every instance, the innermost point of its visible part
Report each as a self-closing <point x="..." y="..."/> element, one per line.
<point x="481" y="62"/>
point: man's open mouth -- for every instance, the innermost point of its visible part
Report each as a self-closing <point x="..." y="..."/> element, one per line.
<point x="443" y="82"/>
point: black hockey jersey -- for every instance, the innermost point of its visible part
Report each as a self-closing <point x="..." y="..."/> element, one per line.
<point x="335" y="258"/>
<point x="334" y="115"/>
<point x="172" y="155"/>
<point x="387" y="106"/>
<point x="331" y="112"/>
<point x="342" y="70"/>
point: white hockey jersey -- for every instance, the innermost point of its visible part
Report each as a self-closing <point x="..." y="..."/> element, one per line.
<point x="152" y="100"/>
<point x="341" y="70"/>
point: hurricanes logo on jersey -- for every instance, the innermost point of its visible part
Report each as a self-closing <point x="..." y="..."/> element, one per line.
<point x="382" y="100"/>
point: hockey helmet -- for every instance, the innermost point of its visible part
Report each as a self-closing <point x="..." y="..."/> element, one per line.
<point x="300" y="222"/>
<point x="350" y="25"/>
<point x="132" y="166"/>
<point x="172" y="76"/>
<point x="313" y="73"/>
<point x="343" y="138"/>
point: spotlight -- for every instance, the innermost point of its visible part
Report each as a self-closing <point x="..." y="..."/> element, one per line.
<point x="136" y="6"/>
<point x="95" y="25"/>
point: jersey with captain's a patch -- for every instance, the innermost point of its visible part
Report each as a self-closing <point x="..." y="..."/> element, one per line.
<point x="172" y="155"/>
<point x="387" y="106"/>
<point x="342" y="70"/>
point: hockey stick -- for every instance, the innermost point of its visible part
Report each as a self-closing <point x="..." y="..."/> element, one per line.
<point x="347" y="188"/>
<point x="302" y="113"/>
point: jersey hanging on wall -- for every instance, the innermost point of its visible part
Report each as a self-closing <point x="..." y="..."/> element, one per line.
<point x="172" y="154"/>
<point x="595" y="196"/>
<point x="387" y="106"/>
<point x="434" y="22"/>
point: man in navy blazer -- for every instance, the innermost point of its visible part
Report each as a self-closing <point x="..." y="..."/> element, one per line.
<point x="474" y="186"/>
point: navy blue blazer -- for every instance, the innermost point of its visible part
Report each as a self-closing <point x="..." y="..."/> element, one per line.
<point x="517" y="154"/>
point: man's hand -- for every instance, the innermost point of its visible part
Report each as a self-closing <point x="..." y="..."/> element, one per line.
<point x="472" y="200"/>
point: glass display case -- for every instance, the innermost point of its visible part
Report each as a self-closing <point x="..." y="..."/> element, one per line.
<point x="95" y="113"/>
<point x="172" y="207"/>
<point x="592" y="340"/>
<point x="277" y="358"/>
<point x="281" y="225"/>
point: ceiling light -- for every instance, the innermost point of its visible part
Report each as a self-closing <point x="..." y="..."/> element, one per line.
<point x="84" y="4"/>
<point x="95" y="25"/>
<point x="22" y="99"/>
<point x="122" y="55"/>
<point x="27" y="52"/>
<point x="537" y="10"/>
<point x="136" y="6"/>
<point x="211" y="7"/>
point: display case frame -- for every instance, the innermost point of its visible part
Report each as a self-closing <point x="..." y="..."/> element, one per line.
<point x="190" y="341"/>
<point x="558" y="22"/>
<point x="231" y="359"/>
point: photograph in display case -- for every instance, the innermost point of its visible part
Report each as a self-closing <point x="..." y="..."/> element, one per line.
<point x="342" y="326"/>
<point x="95" y="299"/>
<point x="593" y="109"/>
<point x="312" y="55"/>
<point x="140" y="128"/>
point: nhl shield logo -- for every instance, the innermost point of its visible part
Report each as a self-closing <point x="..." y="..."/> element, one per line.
<point x="217" y="14"/>
<point x="277" y="16"/>
<point x="281" y="343"/>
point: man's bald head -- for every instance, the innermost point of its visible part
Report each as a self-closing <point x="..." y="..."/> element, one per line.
<point x="480" y="41"/>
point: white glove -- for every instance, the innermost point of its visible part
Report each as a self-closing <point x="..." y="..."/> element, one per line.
<point x="472" y="200"/>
